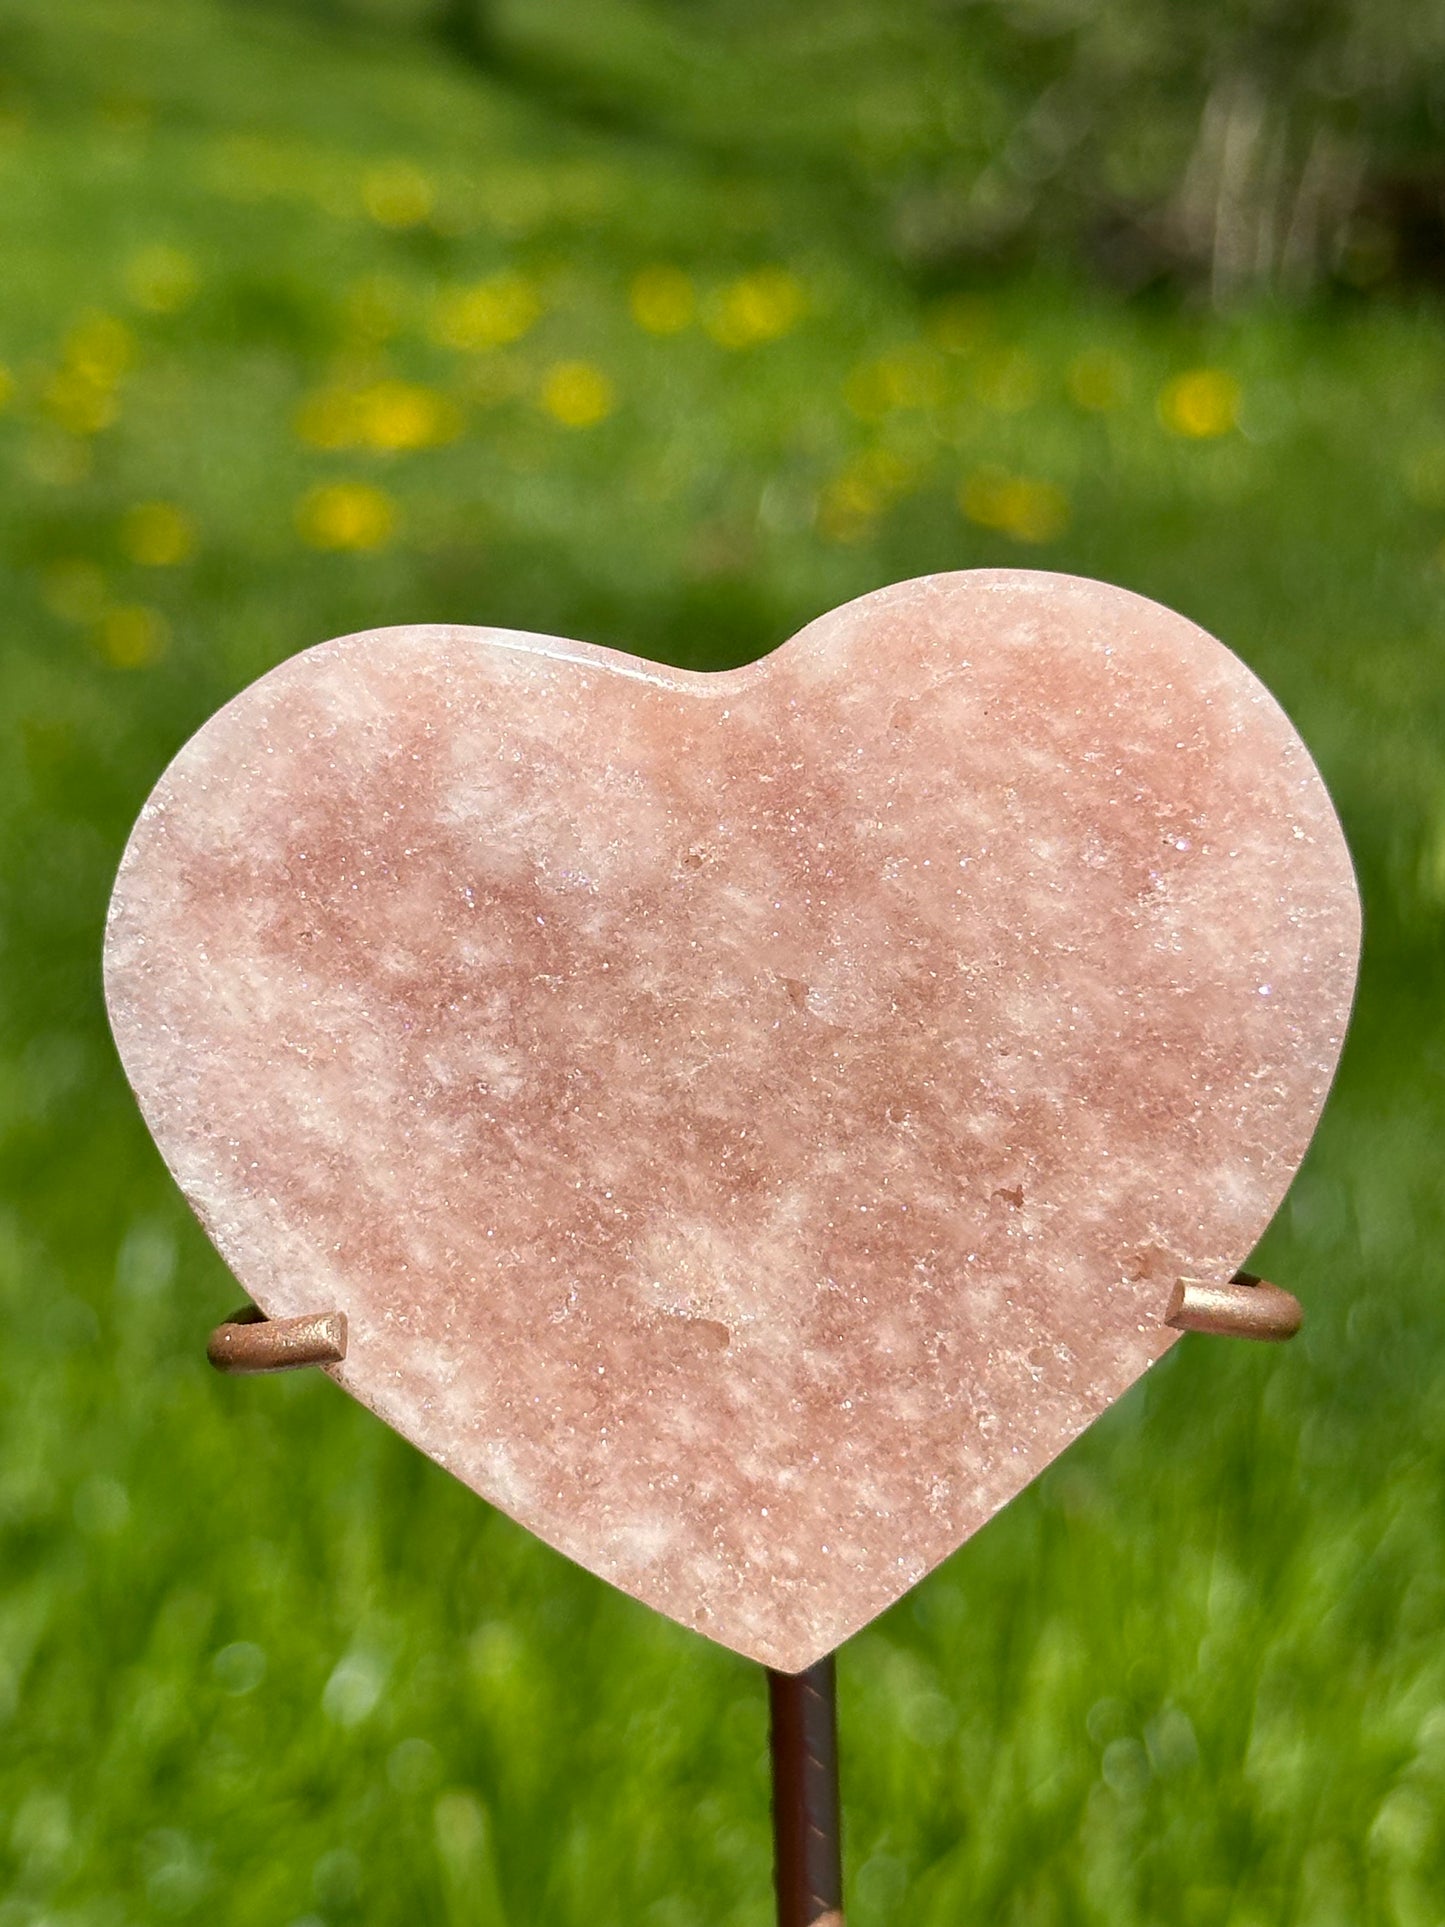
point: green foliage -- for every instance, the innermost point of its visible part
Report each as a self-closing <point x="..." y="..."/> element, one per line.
<point x="309" y="330"/>
<point x="1264" y="143"/>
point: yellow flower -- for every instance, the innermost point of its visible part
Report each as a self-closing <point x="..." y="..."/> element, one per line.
<point x="80" y="396"/>
<point x="663" y="300"/>
<point x="577" y="394"/>
<point x="161" y="279"/>
<point x="7" y="386"/>
<point x="157" y="534"/>
<point x="346" y="515"/>
<point x="399" y="415"/>
<point x="907" y="378"/>
<point x="758" y="307"/>
<point x="860" y="492"/>
<point x="1200" y="404"/>
<point x="1028" y="510"/>
<point x="397" y="194"/>
<point x="99" y="348"/>
<point x="387" y="415"/>
<point x="131" y="636"/>
<point x="490" y="315"/>
<point x="79" y="403"/>
<point x="1098" y="380"/>
<point x="848" y="509"/>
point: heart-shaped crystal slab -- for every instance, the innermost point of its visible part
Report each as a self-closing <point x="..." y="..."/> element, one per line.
<point x="752" y="1122"/>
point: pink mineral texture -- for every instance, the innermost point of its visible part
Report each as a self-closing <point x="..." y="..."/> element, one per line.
<point x="752" y="1122"/>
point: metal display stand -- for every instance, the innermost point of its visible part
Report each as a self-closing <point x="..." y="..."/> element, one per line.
<point x="803" y="1707"/>
<point x="807" y="1822"/>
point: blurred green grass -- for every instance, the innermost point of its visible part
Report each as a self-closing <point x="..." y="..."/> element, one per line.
<point x="305" y="332"/>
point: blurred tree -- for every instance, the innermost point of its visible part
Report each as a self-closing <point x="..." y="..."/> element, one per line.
<point x="1254" y="143"/>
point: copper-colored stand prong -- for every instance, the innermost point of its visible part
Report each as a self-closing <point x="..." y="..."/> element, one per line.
<point x="1246" y="1307"/>
<point x="251" y="1342"/>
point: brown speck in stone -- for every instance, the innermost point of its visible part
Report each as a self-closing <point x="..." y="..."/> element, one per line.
<point x="713" y="1333"/>
<point x="1150" y="1263"/>
<point x="513" y="999"/>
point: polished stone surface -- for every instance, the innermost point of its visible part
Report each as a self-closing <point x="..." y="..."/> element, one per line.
<point x="751" y="1122"/>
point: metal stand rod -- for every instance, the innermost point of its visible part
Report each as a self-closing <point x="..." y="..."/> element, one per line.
<point x="807" y="1833"/>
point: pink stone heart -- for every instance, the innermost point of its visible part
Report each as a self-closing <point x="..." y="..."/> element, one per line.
<point x="752" y="1122"/>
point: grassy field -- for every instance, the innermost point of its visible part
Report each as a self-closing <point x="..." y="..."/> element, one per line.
<point x="304" y="333"/>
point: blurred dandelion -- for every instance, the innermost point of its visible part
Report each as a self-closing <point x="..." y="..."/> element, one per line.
<point x="910" y="377"/>
<point x="1016" y="505"/>
<point x="346" y="515"/>
<point x="157" y="534"/>
<point x="99" y="347"/>
<point x="492" y="314"/>
<point x="851" y="503"/>
<point x="400" y="415"/>
<point x="81" y="395"/>
<point x="77" y="404"/>
<point x="7" y="386"/>
<point x="391" y="416"/>
<point x="1200" y="404"/>
<point x="662" y="300"/>
<point x="131" y="636"/>
<point x="848" y="508"/>
<point x="160" y="279"/>
<point x="578" y="394"/>
<point x="758" y="307"/>
<point x="397" y="194"/>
